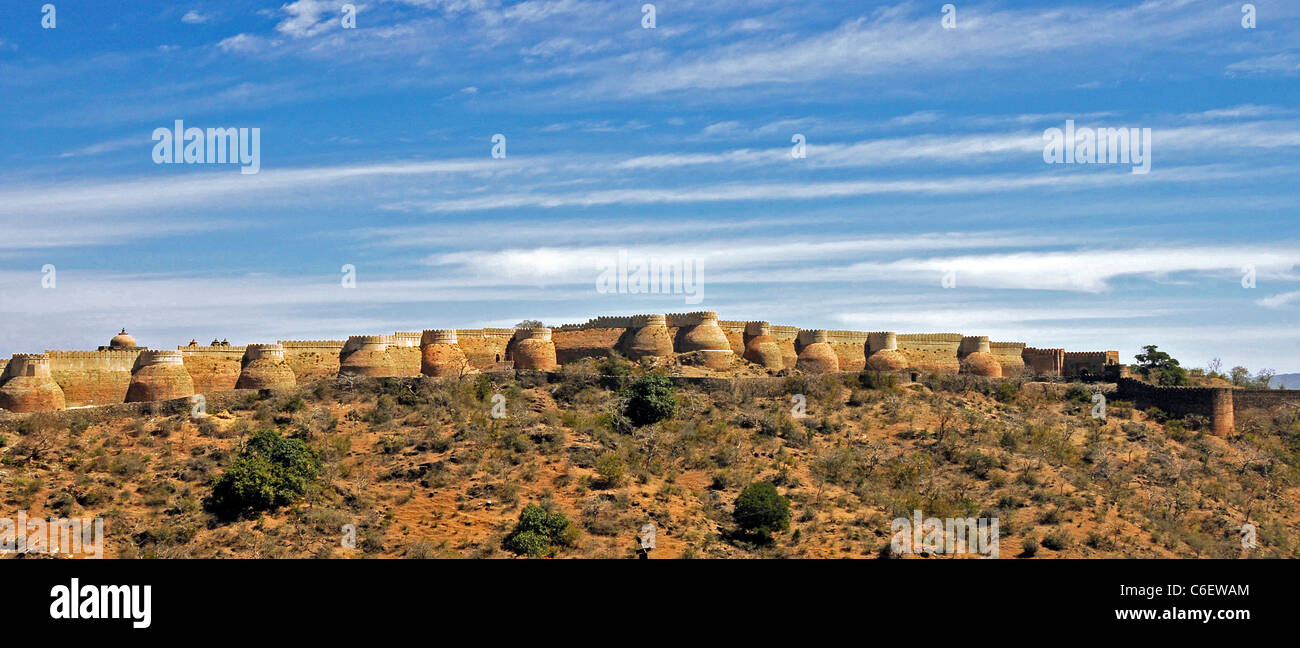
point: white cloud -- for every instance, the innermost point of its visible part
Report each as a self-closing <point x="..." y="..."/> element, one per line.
<point x="242" y="44"/>
<point x="107" y="146"/>
<point x="1286" y="64"/>
<point x="745" y="192"/>
<point x="194" y="18"/>
<point x="890" y="42"/>
<point x="1279" y="300"/>
<point x="165" y="189"/>
<point x="307" y="17"/>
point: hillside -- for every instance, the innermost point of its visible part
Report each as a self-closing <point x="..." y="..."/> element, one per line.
<point x="423" y="470"/>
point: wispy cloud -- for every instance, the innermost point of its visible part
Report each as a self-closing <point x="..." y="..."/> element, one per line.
<point x="1280" y="299"/>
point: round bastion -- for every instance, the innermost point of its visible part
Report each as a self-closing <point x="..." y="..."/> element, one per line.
<point x="30" y="388"/>
<point x="817" y="356"/>
<point x="440" y="354"/>
<point x="761" y="348"/>
<point x="885" y="355"/>
<point x="649" y="339"/>
<point x="263" y="367"/>
<point x="982" y="361"/>
<point x="158" y="376"/>
<point x="707" y="339"/>
<point x="367" y="355"/>
<point x="534" y="349"/>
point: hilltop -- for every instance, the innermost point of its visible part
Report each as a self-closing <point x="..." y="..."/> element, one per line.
<point x="422" y="469"/>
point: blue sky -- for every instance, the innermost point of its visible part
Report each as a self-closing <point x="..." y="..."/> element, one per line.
<point x="924" y="159"/>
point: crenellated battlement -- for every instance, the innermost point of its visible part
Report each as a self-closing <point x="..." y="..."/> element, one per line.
<point x="847" y="337"/>
<point x="260" y="351"/>
<point x="312" y="344"/>
<point x="813" y="336"/>
<point x="206" y="349"/>
<point x="406" y="339"/>
<point x="690" y="319"/>
<point x="161" y="357"/>
<point x="439" y="336"/>
<point x="931" y="337"/>
<point x="542" y="333"/>
<point x="1109" y="357"/>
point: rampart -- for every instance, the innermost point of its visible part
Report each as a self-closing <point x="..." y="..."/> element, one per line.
<point x="484" y="347"/>
<point x="933" y="352"/>
<point x="1082" y="364"/>
<point x="700" y="339"/>
<point x="213" y="368"/>
<point x="312" y="359"/>
<point x="1011" y="356"/>
<point x="1214" y="403"/>
<point x="1044" y="362"/>
<point x="93" y="377"/>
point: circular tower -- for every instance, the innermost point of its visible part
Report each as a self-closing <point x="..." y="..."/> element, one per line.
<point x="264" y="367"/>
<point x="817" y="356"/>
<point x="651" y="338"/>
<point x="30" y="387"/>
<point x="159" y="375"/>
<point x="367" y="355"/>
<point x="533" y="349"/>
<point x="885" y="355"/>
<point x="440" y="354"/>
<point x="705" y="337"/>
<point x="981" y="362"/>
<point x="761" y="348"/>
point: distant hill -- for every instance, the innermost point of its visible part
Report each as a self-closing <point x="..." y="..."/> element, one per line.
<point x="1286" y="381"/>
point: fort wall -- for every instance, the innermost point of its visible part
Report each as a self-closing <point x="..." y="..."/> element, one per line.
<point x="213" y="368"/>
<point x="312" y="359"/>
<point x="92" y="377"/>
<point x="1044" y="362"/>
<point x="933" y="352"/>
<point x="1088" y="363"/>
<point x="1011" y="356"/>
<point x="484" y="347"/>
<point x="105" y="376"/>
<point x="1214" y="403"/>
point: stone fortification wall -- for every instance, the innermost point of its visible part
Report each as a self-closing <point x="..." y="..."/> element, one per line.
<point x="934" y="352"/>
<point x="312" y="359"/>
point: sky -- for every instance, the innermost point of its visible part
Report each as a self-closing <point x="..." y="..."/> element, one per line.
<point x="841" y="165"/>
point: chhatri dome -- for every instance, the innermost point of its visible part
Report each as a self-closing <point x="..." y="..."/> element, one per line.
<point x="122" y="341"/>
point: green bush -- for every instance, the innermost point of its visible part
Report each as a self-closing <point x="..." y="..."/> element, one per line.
<point x="650" y="399"/>
<point x="1029" y="548"/>
<point x="482" y="388"/>
<point x="761" y="510"/>
<point x="614" y="365"/>
<point x="538" y="533"/>
<point x="872" y="379"/>
<point x="1006" y="392"/>
<point x="270" y="472"/>
<point x="1056" y="541"/>
<point x="610" y="468"/>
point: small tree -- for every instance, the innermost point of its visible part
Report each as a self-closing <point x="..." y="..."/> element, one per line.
<point x="761" y="510"/>
<point x="1161" y="368"/>
<point x="270" y="472"/>
<point x="538" y="533"/>
<point x="650" y="399"/>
